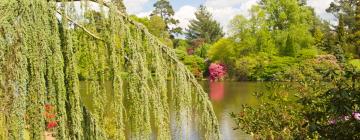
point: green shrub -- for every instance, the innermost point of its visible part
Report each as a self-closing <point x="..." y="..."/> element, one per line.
<point x="276" y="116"/>
<point x="181" y="44"/>
<point x="306" y="110"/>
<point x="245" y="68"/>
<point x="274" y="68"/>
<point x="355" y="63"/>
<point x="268" y="70"/>
<point x="307" y="53"/>
<point x="196" y="65"/>
<point x="312" y="69"/>
<point x="181" y="54"/>
<point x="202" y="50"/>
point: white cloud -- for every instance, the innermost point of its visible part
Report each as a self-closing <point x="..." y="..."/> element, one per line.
<point x="184" y="15"/>
<point x="320" y="6"/>
<point x="225" y="11"/>
<point x="144" y="14"/>
<point x="224" y="4"/>
<point x="224" y="15"/>
<point x="135" y="6"/>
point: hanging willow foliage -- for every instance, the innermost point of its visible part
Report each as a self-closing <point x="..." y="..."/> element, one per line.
<point x="106" y="76"/>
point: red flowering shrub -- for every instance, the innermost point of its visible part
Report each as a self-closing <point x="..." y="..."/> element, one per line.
<point x="217" y="71"/>
<point x="50" y="116"/>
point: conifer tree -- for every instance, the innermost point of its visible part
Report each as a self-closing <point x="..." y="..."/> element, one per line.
<point x="341" y="36"/>
<point x="204" y="27"/>
<point x="341" y="33"/>
<point x="348" y="29"/>
<point x="319" y="38"/>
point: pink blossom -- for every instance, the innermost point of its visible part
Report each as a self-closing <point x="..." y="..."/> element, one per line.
<point x="332" y="122"/>
<point x="217" y="71"/>
<point x="356" y="115"/>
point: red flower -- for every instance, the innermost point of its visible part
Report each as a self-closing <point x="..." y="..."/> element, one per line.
<point x="48" y="107"/>
<point x="52" y="124"/>
<point x="50" y="116"/>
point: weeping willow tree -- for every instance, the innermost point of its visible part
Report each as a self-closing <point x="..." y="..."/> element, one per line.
<point x="50" y="49"/>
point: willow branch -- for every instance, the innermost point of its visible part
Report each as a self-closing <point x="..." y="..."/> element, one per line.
<point x="79" y="25"/>
<point x="141" y="27"/>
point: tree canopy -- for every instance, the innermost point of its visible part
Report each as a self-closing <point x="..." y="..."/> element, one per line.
<point x="164" y="10"/>
<point x="204" y="27"/>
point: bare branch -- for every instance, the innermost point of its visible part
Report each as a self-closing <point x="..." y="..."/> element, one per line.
<point x="82" y="27"/>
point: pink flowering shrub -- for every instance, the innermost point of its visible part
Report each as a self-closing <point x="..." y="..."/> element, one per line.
<point x="355" y="116"/>
<point x="217" y="72"/>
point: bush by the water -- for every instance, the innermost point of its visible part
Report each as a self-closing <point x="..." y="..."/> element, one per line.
<point x="217" y="72"/>
<point x="306" y="110"/>
<point x="274" y="68"/>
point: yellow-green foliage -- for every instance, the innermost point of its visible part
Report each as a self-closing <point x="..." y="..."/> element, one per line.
<point x="2" y="126"/>
<point x="355" y="63"/>
<point x="44" y="57"/>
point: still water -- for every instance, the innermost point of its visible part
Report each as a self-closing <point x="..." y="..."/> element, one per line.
<point x="226" y="97"/>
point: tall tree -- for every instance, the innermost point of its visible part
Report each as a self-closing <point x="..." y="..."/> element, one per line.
<point x="290" y="22"/>
<point x="348" y="14"/>
<point x="319" y="38"/>
<point x="339" y="49"/>
<point x="164" y="10"/>
<point x="284" y="13"/>
<point x="341" y="33"/>
<point x="324" y="37"/>
<point x="204" y="27"/>
<point x="357" y="17"/>
<point x="356" y="34"/>
<point x="346" y="8"/>
<point x="156" y="27"/>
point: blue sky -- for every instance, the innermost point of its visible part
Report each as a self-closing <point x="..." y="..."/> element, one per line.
<point x="222" y="10"/>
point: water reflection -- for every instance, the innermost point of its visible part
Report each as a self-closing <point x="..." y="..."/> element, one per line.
<point x="228" y="97"/>
<point x="216" y="91"/>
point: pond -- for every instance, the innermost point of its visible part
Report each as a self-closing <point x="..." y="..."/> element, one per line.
<point x="226" y="97"/>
